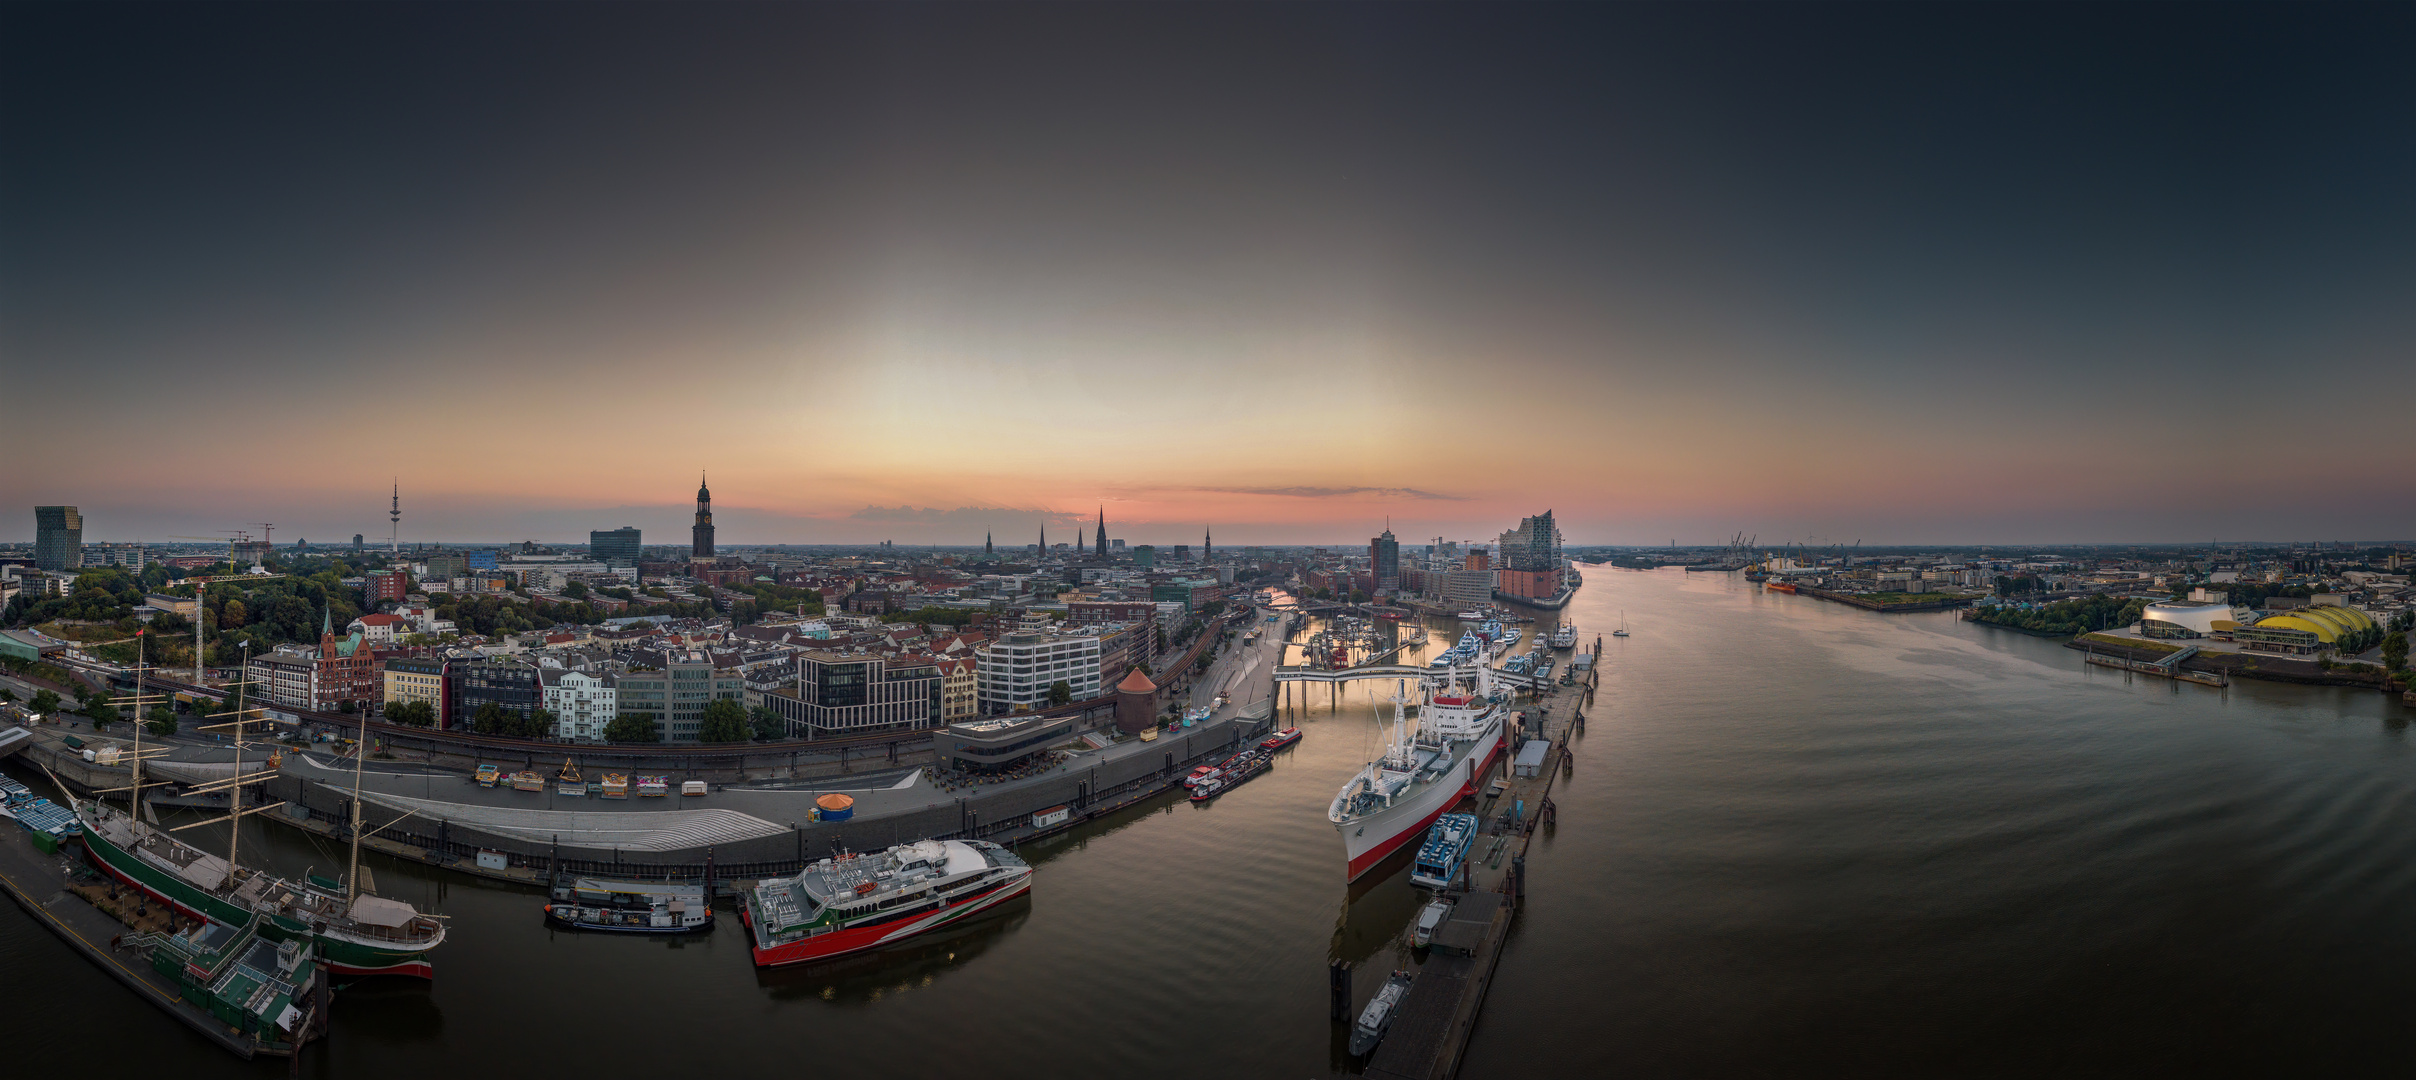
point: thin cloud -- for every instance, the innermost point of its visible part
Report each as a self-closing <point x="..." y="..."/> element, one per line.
<point x="1312" y="492"/>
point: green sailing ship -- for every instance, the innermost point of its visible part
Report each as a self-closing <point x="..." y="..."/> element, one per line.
<point x="356" y="933"/>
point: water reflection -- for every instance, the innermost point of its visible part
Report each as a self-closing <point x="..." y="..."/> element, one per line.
<point x="916" y="963"/>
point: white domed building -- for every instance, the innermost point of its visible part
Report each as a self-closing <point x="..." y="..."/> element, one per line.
<point x="2191" y="619"/>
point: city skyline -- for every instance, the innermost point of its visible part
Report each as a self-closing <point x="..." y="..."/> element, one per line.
<point x="1816" y="275"/>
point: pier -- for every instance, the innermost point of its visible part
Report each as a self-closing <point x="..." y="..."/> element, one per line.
<point x="1430" y="1029"/>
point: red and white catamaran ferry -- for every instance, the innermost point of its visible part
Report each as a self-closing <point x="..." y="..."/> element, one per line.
<point x="856" y="902"/>
<point x="1427" y="768"/>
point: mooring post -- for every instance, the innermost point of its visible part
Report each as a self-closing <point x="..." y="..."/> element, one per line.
<point x="1518" y="880"/>
<point x="1338" y="990"/>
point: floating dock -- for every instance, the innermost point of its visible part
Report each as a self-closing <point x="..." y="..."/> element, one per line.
<point x="1430" y="1032"/>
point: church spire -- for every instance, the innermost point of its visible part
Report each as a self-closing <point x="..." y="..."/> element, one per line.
<point x="1102" y="530"/>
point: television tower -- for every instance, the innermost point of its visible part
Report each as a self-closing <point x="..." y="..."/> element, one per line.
<point x="394" y="520"/>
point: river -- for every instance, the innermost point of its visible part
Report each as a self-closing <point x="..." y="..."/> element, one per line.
<point x="1798" y="838"/>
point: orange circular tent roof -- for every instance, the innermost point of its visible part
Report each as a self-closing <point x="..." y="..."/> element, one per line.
<point x="1136" y="683"/>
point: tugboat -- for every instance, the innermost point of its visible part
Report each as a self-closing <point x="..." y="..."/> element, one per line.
<point x="852" y="902"/>
<point x="1378" y="1016"/>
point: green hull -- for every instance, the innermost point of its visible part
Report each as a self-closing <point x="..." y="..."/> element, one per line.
<point x="345" y="956"/>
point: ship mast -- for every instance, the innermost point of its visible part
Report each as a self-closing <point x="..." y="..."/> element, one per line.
<point x="235" y="811"/>
<point x="352" y="876"/>
<point x="134" y="794"/>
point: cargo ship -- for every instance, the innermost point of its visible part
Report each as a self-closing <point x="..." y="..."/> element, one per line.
<point x="1426" y="769"/>
<point x="852" y="902"/>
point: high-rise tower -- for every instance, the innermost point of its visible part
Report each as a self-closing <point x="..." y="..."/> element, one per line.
<point x="58" y="538"/>
<point x="703" y="547"/>
<point x="394" y="520"/>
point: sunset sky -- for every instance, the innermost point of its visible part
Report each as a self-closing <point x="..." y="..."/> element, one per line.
<point x="1918" y="273"/>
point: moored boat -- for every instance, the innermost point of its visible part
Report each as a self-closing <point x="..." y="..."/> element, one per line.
<point x="356" y="933"/>
<point x="1240" y="769"/>
<point x="1425" y="770"/>
<point x="1377" y="1018"/>
<point x="1445" y="851"/>
<point x="1430" y="919"/>
<point x="1280" y="739"/>
<point x="631" y="907"/>
<point x="855" y="902"/>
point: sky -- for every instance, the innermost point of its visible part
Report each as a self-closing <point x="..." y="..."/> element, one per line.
<point x="1903" y="273"/>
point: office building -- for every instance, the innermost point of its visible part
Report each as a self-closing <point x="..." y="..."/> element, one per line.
<point x="1014" y="673"/>
<point x="674" y="688"/>
<point x="1384" y="561"/>
<point x="617" y="548"/>
<point x="855" y="693"/>
<point x="58" y="538"/>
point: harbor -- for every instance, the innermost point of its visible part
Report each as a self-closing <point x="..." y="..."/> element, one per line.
<point x="1234" y="911"/>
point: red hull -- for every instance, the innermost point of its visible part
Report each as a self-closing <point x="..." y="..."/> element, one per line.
<point x="1367" y="860"/>
<point x="843" y="942"/>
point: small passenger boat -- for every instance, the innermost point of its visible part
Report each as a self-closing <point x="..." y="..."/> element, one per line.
<point x="1378" y="1016"/>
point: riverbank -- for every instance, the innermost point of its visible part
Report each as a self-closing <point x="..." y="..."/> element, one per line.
<point x="1948" y="603"/>
<point x="2265" y="667"/>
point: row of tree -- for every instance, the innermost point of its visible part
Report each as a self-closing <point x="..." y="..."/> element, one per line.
<point x="2081" y="616"/>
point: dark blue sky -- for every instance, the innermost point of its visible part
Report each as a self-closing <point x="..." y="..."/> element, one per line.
<point x="1905" y="272"/>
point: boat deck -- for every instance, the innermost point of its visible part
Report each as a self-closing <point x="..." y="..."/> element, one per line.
<point x="47" y="887"/>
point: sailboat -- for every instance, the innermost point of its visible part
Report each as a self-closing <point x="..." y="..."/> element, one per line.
<point x="355" y="932"/>
<point x="1622" y="631"/>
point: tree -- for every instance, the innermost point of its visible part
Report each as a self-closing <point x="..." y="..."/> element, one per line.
<point x="633" y="727"/>
<point x="576" y="590"/>
<point x="414" y="713"/>
<point x="7" y="695"/>
<point x="723" y="721"/>
<point x="44" y="702"/>
<point x="766" y="724"/>
<point x="1060" y="692"/>
<point x="162" y="720"/>
<point x="2395" y="650"/>
<point x="232" y="615"/>
<point x="488" y="720"/>
<point x="538" y="724"/>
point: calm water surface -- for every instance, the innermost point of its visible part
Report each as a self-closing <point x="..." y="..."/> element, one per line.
<point x="1798" y="839"/>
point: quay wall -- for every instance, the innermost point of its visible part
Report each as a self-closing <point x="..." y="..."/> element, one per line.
<point x="1002" y="816"/>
